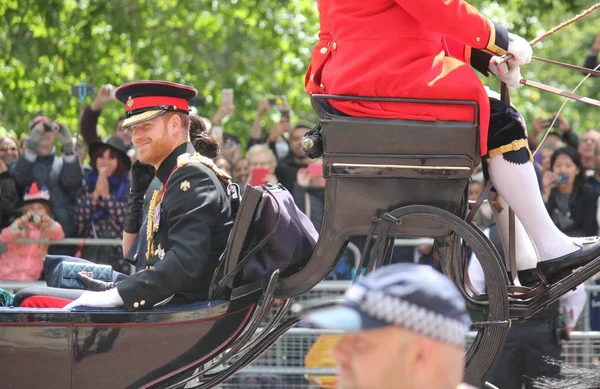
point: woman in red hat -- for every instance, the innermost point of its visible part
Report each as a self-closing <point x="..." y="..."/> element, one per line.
<point x="24" y="261"/>
<point x="101" y="205"/>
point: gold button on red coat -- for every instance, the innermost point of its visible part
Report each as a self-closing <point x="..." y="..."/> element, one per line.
<point x="334" y="46"/>
<point x="324" y="50"/>
<point x="322" y="86"/>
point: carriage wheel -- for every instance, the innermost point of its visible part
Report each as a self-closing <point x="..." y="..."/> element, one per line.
<point x="490" y="316"/>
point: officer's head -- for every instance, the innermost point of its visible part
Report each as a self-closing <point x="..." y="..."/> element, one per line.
<point x="406" y="327"/>
<point x="157" y="117"/>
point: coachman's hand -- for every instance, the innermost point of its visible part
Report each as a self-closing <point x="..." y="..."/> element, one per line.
<point x="520" y="49"/>
<point x="508" y="72"/>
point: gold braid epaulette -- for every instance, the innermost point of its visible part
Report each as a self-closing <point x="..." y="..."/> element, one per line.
<point x="156" y="198"/>
<point x="186" y="158"/>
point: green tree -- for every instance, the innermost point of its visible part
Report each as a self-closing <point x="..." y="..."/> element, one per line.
<point x="256" y="47"/>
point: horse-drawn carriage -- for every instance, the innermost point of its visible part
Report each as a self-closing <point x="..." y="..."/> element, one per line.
<point x="384" y="179"/>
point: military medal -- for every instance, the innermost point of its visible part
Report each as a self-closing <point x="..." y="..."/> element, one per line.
<point x="156" y="218"/>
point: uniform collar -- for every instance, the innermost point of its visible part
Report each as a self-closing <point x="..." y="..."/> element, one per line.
<point x="167" y="166"/>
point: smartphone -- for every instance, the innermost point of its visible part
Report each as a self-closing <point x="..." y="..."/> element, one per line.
<point x="259" y="176"/>
<point x="278" y="101"/>
<point x="227" y="97"/>
<point x="315" y="169"/>
<point x="548" y="122"/>
<point x="82" y="90"/>
<point x="285" y="114"/>
<point x="561" y="179"/>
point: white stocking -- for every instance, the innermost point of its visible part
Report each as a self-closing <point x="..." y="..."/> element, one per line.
<point x="526" y="254"/>
<point x="518" y="187"/>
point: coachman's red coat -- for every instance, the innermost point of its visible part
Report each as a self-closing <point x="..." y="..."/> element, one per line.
<point x="405" y="48"/>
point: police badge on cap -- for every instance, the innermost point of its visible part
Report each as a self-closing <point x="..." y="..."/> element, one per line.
<point x="146" y="100"/>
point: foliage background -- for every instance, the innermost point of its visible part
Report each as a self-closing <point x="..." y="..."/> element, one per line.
<point x="256" y="47"/>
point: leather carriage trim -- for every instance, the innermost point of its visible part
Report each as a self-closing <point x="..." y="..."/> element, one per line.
<point x="144" y="324"/>
<point x="215" y="351"/>
<point x="405" y="167"/>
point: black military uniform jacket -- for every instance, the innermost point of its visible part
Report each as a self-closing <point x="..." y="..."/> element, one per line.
<point x="195" y="221"/>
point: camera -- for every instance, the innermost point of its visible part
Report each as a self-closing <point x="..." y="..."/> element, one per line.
<point x="561" y="179"/>
<point x="51" y="127"/>
<point x="35" y="219"/>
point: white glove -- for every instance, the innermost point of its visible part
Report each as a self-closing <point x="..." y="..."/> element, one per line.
<point x="107" y="299"/>
<point x="508" y="72"/>
<point x="520" y="49"/>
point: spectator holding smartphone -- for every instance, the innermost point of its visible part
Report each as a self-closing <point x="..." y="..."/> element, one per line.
<point x="262" y="163"/>
<point x="278" y="136"/>
<point x="571" y="205"/>
<point x="24" y="261"/>
<point x="89" y="120"/>
<point x="561" y="129"/>
<point x="225" y="109"/>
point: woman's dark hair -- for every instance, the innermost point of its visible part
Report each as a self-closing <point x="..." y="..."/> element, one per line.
<point x="121" y="167"/>
<point x="205" y="144"/>
<point x="574" y="156"/>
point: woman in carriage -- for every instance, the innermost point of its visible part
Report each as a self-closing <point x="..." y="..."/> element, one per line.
<point x="422" y="50"/>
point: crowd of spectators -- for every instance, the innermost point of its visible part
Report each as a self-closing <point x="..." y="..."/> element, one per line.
<point x="87" y="177"/>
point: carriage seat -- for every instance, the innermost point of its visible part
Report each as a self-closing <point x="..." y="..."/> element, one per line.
<point x="397" y="148"/>
<point x="374" y="165"/>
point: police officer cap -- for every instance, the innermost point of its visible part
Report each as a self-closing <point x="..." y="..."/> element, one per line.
<point x="146" y="100"/>
<point x="408" y="295"/>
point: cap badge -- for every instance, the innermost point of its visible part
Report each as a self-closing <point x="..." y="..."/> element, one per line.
<point x="185" y="185"/>
<point x="129" y="102"/>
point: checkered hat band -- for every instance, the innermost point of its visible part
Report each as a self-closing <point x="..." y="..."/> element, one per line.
<point x="396" y="311"/>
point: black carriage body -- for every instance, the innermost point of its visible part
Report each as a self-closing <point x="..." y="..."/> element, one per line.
<point x="111" y="348"/>
<point x="377" y="165"/>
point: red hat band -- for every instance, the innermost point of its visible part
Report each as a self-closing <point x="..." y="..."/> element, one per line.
<point x="135" y="103"/>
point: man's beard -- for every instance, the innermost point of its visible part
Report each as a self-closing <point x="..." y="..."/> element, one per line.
<point x="157" y="151"/>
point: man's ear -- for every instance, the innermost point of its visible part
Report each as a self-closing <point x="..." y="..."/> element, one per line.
<point x="174" y="124"/>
